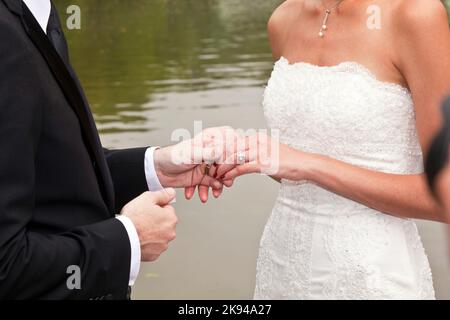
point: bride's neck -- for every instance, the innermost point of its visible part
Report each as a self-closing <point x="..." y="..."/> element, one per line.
<point x="319" y="5"/>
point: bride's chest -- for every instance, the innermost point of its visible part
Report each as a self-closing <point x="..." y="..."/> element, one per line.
<point x="345" y="101"/>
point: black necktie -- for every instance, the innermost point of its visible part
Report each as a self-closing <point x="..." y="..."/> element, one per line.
<point x="56" y="35"/>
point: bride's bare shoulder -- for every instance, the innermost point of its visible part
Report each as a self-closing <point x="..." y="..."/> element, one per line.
<point x="416" y="13"/>
<point x="282" y="15"/>
<point x="279" y="23"/>
<point x="416" y="21"/>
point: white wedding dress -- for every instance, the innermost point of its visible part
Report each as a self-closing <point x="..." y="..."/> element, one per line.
<point x="318" y="245"/>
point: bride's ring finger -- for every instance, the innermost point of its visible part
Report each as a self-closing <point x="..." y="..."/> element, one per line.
<point x="241" y="157"/>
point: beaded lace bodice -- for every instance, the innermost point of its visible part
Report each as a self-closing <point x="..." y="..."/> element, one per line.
<point x="316" y="243"/>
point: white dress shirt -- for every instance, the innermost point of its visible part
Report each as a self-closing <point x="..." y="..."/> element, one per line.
<point x="41" y="10"/>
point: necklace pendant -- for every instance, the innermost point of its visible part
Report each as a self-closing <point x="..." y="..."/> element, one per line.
<point x="324" y="24"/>
<point x="324" y="27"/>
<point x="322" y="31"/>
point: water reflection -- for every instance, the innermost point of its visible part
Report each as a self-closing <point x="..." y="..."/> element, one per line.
<point x="130" y="53"/>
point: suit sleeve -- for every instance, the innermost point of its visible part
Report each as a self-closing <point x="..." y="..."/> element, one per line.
<point x="128" y="174"/>
<point x="35" y="265"/>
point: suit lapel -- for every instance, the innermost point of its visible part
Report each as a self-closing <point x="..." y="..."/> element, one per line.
<point x="55" y="34"/>
<point x="14" y="5"/>
<point x="71" y="89"/>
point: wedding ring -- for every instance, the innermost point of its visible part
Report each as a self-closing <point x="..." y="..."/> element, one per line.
<point x="205" y="169"/>
<point x="241" y="157"/>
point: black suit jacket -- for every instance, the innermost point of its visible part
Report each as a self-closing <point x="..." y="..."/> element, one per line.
<point x="59" y="189"/>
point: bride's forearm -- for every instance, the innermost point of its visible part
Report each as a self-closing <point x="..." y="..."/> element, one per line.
<point x="404" y="196"/>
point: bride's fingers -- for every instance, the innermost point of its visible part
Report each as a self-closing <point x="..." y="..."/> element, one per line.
<point x="217" y="192"/>
<point x="228" y="183"/>
<point x="224" y="168"/>
<point x="189" y="192"/>
<point x="233" y="161"/>
<point x="241" y="154"/>
<point x="211" y="182"/>
<point x="252" y="167"/>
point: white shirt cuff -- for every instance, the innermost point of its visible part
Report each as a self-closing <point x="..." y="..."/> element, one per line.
<point x="150" y="172"/>
<point x="135" y="248"/>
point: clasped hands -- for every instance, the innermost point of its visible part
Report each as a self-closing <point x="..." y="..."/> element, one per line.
<point x="214" y="159"/>
<point x="211" y="160"/>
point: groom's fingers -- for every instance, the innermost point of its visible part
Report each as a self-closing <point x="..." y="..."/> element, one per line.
<point x="189" y="192"/>
<point x="218" y="192"/>
<point x="163" y="197"/>
<point x="203" y="193"/>
<point x="209" y="182"/>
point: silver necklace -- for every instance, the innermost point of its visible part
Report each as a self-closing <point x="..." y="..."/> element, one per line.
<point x="328" y="11"/>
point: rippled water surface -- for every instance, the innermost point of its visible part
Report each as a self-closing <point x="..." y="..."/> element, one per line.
<point x="131" y="54"/>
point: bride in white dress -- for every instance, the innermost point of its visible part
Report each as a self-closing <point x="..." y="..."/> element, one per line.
<point x="355" y="107"/>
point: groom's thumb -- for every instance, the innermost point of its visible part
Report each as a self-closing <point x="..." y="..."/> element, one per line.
<point x="164" y="197"/>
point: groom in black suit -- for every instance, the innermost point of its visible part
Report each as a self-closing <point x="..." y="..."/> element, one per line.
<point x="59" y="189"/>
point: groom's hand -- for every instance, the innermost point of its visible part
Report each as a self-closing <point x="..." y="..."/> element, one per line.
<point x="184" y="175"/>
<point x="155" y="221"/>
<point x="184" y="165"/>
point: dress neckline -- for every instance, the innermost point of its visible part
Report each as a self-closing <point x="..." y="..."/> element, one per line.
<point x="348" y="66"/>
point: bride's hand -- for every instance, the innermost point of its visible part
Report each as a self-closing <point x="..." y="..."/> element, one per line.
<point x="265" y="155"/>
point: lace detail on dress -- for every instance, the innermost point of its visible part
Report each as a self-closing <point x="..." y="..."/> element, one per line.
<point x="318" y="245"/>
